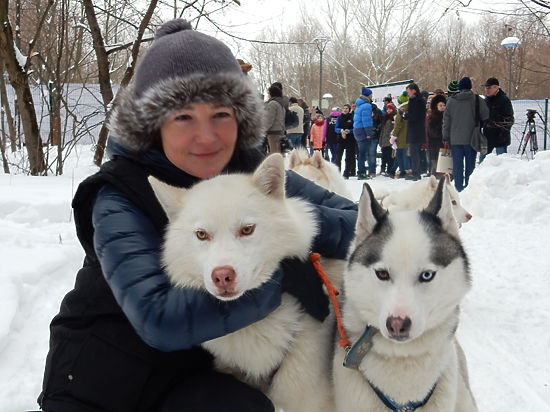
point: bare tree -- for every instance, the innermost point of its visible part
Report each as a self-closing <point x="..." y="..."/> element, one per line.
<point x="17" y="67"/>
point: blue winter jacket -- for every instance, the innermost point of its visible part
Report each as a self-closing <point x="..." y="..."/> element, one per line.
<point x="362" y="120"/>
<point x="169" y="318"/>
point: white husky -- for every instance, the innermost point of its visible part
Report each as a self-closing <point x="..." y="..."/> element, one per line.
<point x="318" y="170"/>
<point x="230" y="247"/>
<point x="419" y="194"/>
<point x="407" y="274"/>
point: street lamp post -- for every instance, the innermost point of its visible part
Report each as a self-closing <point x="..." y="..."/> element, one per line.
<point x="321" y="43"/>
<point x="510" y="43"/>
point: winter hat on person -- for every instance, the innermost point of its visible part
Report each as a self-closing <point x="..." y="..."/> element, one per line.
<point x="453" y="86"/>
<point x="389" y="107"/>
<point x="465" y="84"/>
<point x="491" y="81"/>
<point x="182" y="67"/>
<point x="365" y="91"/>
<point x="403" y="97"/>
<point x="435" y="100"/>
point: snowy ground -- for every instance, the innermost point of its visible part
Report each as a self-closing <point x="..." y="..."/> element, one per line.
<point x="504" y="328"/>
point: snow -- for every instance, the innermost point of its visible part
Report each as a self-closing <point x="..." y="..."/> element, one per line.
<point x="504" y="318"/>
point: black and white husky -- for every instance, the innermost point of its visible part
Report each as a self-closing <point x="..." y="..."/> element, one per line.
<point x="227" y="235"/>
<point x="407" y="273"/>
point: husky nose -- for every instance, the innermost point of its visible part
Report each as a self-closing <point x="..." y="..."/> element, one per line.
<point x="224" y="277"/>
<point x="398" y="328"/>
<point x="468" y="217"/>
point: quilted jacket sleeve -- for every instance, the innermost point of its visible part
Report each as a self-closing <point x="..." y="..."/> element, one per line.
<point x="167" y="318"/>
<point x="336" y="215"/>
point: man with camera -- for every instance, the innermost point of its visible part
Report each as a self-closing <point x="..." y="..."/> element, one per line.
<point x="501" y="118"/>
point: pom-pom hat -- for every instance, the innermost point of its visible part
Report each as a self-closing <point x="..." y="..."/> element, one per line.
<point x="365" y="91"/>
<point x="180" y="68"/>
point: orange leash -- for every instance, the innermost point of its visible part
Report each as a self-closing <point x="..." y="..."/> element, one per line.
<point x="315" y="258"/>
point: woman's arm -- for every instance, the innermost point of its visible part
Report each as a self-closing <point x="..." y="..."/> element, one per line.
<point x="165" y="317"/>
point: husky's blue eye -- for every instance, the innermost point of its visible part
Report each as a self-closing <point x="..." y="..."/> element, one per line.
<point x="427" y="276"/>
<point x="382" y="274"/>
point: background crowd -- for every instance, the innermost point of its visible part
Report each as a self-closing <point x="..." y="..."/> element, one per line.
<point x="401" y="139"/>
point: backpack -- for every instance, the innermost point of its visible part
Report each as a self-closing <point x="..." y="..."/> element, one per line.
<point x="291" y="119"/>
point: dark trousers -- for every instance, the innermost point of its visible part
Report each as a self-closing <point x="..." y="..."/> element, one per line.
<point x="215" y="392"/>
<point x="414" y="149"/>
<point x="349" y="146"/>
<point x="387" y="160"/>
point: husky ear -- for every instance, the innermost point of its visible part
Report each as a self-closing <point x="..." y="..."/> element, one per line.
<point x="294" y="159"/>
<point x="169" y="197"/>
<point x="369" y="213"/>
<point x="270" y="176"/>
<point x="441" y="206"/>
<point x="317" y="159"/>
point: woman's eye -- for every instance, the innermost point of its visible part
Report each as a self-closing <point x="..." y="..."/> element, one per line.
<point x="426" y="276"/>
<point x="247" y="230"/>
<point x="222" y="115"/>
<point x="382" y="274"/>
<point x="182" y="117"/>
<point x="202" y="234"/>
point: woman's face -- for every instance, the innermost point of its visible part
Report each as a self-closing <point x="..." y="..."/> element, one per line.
<point x="200" y="139"/>
<point x="441" y="106"/>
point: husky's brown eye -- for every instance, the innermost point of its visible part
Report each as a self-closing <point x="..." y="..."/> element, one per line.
<point x="247" y="230"/>
<point x="454" y="202"/>
<point x="382" y="274"/>
<point x="202" y="234"/>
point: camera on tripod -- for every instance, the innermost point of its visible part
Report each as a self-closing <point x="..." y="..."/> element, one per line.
<point x="531" y="113"/>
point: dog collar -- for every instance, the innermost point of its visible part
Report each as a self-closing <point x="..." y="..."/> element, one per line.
<point x="404" y="407"/>
<point x="359" y="349"/>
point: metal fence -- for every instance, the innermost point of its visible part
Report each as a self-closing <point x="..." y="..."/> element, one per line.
<point x="83" y="115"/>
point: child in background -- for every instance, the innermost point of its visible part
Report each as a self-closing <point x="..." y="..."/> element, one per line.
<point x="317" y="137"/>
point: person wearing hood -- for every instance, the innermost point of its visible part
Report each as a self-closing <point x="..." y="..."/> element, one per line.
<point x="458" y="125"/>
<point x="435" y="129"/>
<point x="332" y="135"/>
<point x="346" y="141"/>
<point x="318" y="134"/>
<point x="363" y="129"/>
<point x="125" y="339"/>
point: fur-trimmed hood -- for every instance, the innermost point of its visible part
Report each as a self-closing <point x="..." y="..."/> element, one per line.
<point x="135" y="121"/>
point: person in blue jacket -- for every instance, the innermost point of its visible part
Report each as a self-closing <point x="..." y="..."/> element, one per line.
<point x="125" y="339"/>
<point x="363" y="130"/>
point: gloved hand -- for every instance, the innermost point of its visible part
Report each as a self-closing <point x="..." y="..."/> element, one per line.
<point x="301" y="281"/>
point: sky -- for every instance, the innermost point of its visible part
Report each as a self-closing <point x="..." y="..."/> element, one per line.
<point x="504" y="319"/>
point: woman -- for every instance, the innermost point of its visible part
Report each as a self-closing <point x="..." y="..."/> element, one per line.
<point x="125" y="339"/>
<point x="317" y="139"/>
<point x="387" y="167"/>
<point x="435" y="129"/>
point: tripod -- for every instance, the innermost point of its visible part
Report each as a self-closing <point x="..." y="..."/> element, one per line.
<point x="529" y="135"/>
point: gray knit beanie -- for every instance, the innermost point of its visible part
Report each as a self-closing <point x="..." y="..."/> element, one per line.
<point x="180" y="68"/>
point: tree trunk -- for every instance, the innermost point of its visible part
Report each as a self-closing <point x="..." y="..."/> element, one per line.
<point x="20" y="82"/>
<point x="103" y="65"/>
<point x="7" y="110"/>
